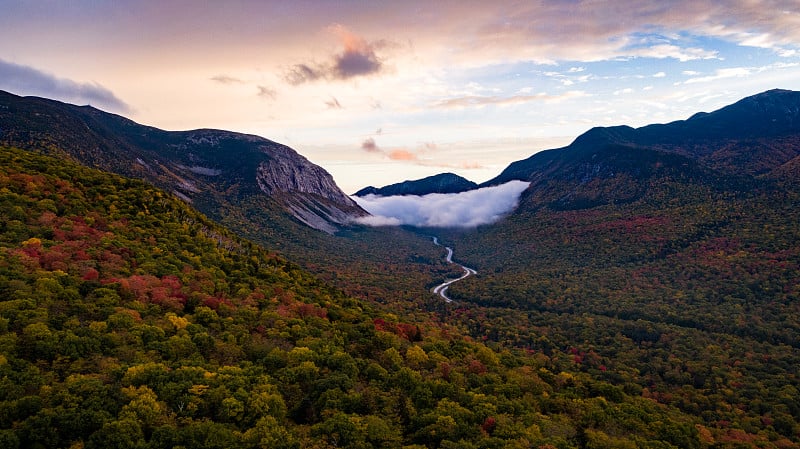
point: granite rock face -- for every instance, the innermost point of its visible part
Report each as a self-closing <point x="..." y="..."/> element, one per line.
<point x="288" y="171"/>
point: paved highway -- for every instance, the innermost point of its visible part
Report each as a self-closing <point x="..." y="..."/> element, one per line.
<point x="441" y="289"/>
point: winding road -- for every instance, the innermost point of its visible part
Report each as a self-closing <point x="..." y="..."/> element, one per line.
<point x="441" y="289"/>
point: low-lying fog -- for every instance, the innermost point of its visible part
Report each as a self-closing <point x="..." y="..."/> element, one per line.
<point x="443" y="210"/>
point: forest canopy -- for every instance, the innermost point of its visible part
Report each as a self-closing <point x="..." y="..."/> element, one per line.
<point x="127" y="319"/>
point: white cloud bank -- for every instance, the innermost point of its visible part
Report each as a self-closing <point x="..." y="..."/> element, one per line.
<point x="443" y="210"/>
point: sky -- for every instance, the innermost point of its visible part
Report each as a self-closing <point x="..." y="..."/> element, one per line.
<point x="378" y="92"/>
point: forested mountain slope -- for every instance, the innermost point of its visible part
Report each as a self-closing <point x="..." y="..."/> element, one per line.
<point x="257" y="188"/>
<point x="753" y="136"/>
<point x="640" y="296"/>
<point x="670" y="252"/>
<point x="129" y="320"/>
<point x="213" y="169"/>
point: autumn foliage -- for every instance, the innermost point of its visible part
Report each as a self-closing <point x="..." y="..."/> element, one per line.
<point x="129" y="320"/>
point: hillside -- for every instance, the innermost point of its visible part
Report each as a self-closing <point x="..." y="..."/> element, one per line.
<point x="212" y="169"/>
<point x="257" y="188"/>
<point x="755" y="136"/>
<point x="129" y="320"/>
<point x="644" y="294"/>
<point x="671" y="252"/>
<point x="695" y="297"/>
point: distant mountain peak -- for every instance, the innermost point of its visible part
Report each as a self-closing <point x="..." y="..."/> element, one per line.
<point x="774" y="112"/>
<point x="441" y="183"/>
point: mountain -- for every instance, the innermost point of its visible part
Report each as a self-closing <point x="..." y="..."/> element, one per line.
<point x="261" y="190"/>
<point x="129" y="320"/>
<point x="441" y="183"/>
<point x="641" y="296"/>
<point x="668" y="251"/>
<point x="755" y="137"/>
<point x="212" y="169"/>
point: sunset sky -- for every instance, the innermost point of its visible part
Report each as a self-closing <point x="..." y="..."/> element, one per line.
<point x="378" y="92"/>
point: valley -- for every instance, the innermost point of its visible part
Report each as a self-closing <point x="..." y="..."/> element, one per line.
<point x="206" y="289"/>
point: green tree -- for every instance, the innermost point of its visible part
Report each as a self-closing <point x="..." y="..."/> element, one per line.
<point x="267" y="433"/>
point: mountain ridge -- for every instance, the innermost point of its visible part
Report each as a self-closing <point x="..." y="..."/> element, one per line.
<point x="756" y="139"/>
<point x="205" y="165"/>
<point x="658" y="247"/>
<point x="130" y="320"/>
<point x="641" y="296"/>
<point x="439" y="183"/>
<point x="714" y="139"/>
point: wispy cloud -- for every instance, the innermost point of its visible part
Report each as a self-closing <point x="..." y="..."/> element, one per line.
<point x="673" y="51"/>
<point x="24" y="80"/>
<point x="267" y="92"/>
<point x="304" y="73"/>
<point x="480" y="101"/>
<point x="736" y="72"/>
<point x="415" y="156"/>
<point x="459" y="210"/>
<point x="770" y="41"/>
<point x="333" y="103"/>
<point x="594" y="31"/>
<point x="225" y="79"/>
<point x="732" y="72"/>
<point x="569" y="78"/>
<point x="401" y="154"/>
<point x="396" y="154"/>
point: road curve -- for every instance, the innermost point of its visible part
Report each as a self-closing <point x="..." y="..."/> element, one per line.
<point x="441" y="289"/>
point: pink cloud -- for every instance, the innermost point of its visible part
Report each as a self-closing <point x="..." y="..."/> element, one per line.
<point x="357" y="58"/>
<point x="402" y="155"/>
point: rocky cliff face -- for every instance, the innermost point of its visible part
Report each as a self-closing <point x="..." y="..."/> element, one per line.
<point x="287" y="171"/>
<point x="307" y="190"/>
